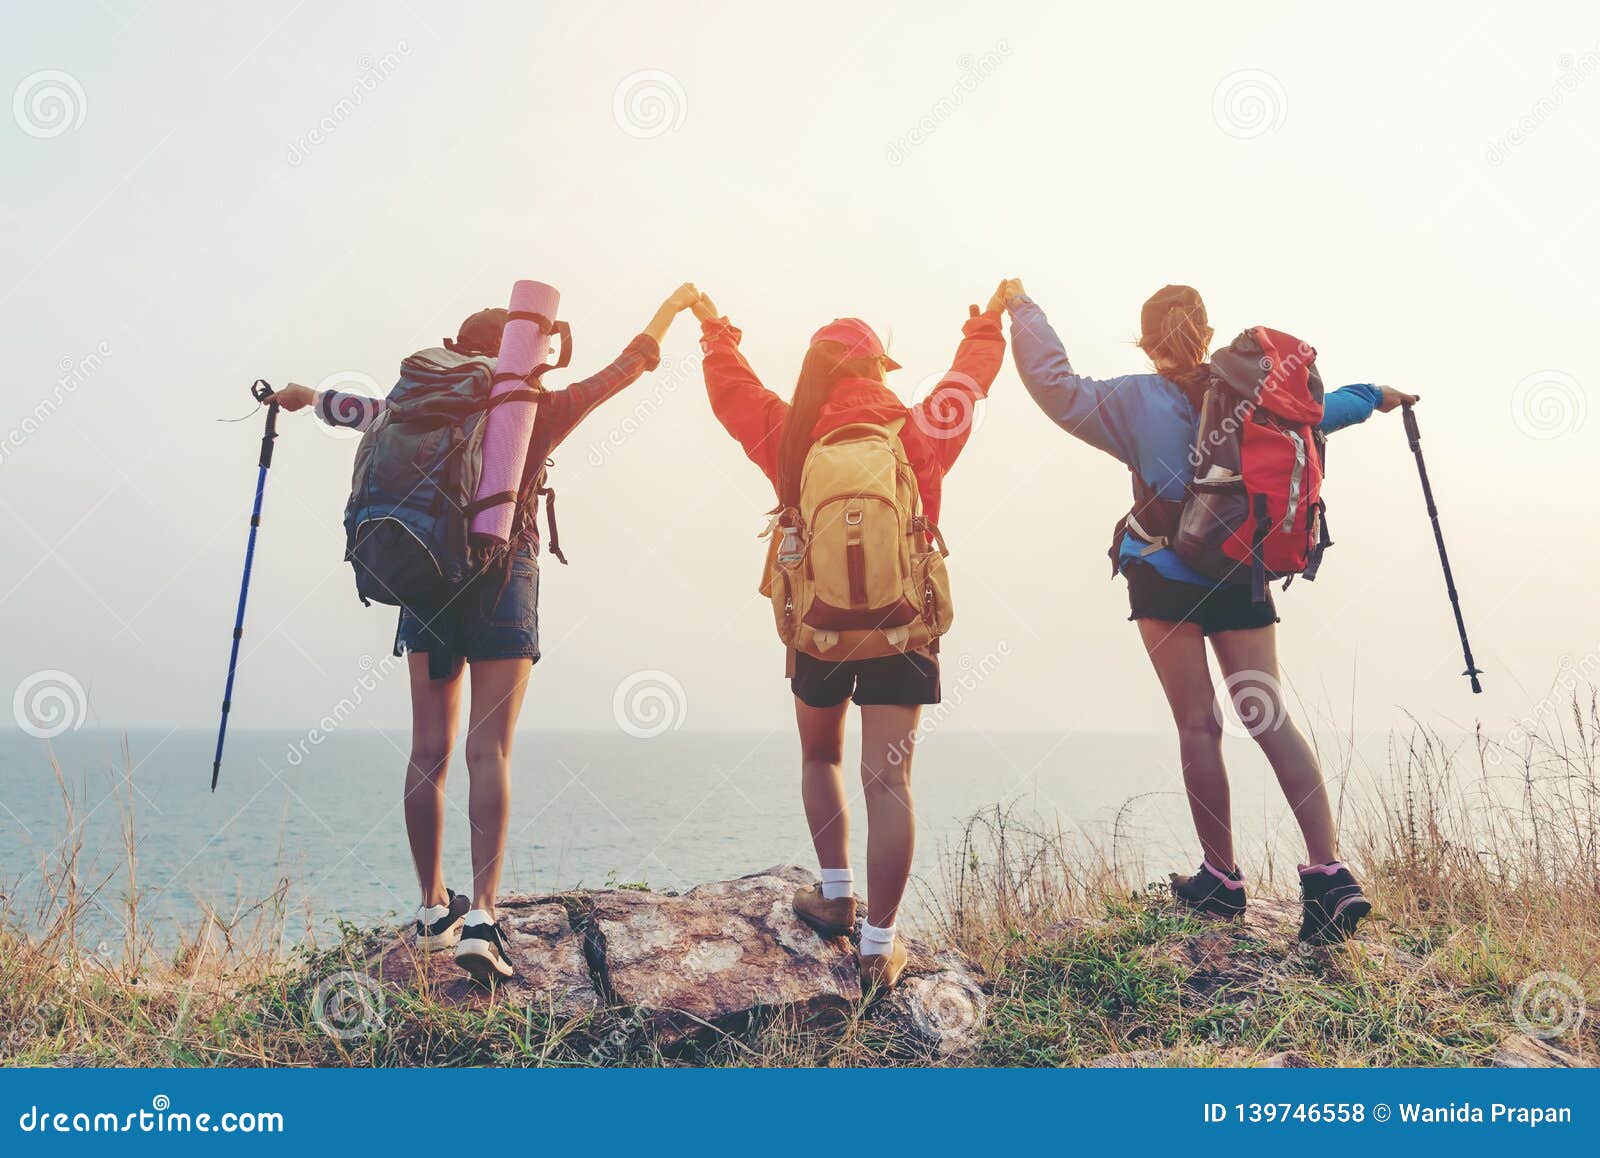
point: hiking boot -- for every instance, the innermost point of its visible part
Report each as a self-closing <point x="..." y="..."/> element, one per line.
<point x="881" y="971"/>
<point x="484" y="954"/>
<point x="835" y="918"/>
<point x="439" y="926"/>
<point x="1209" y="891"/>
<point x="1333" y="903"/>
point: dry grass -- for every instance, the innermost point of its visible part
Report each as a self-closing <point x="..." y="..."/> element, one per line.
<point x="1482" y="858"/>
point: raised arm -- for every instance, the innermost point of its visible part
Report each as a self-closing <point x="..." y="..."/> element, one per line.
<point x="946" y="413"/>
<point x="747" y="410"/>
<point x="560" y="411"/>
<point x="334" y="407"/>
<point x="1352" y="405"/>
<point x="1096" y="411"/>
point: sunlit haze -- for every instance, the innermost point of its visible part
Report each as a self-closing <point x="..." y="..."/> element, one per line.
<point x="311" y="194"/>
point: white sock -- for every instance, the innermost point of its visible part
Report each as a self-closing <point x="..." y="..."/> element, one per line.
<point x="876" y="941"/>
<point x="837" y="883"/>
<point x="479" y="917"/>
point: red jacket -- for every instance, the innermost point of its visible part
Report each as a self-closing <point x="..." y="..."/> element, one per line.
<point x="935" y="430"/>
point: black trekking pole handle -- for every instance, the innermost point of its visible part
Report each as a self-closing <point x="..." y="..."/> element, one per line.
<point x="261" y="390"/>
<point x="1414" y="437"/>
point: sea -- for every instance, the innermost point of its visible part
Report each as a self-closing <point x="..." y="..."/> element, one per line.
<point x="316" y="829"/>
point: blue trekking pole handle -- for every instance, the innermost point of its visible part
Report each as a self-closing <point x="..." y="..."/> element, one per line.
<point x="260" y="390"/>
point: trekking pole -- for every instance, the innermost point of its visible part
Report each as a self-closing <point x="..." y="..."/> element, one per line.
<point x="1414" y="436"/>
<point x="259" y="391"/>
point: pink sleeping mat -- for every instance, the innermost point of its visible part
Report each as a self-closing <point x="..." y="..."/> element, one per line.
<point x="530" y="324"/>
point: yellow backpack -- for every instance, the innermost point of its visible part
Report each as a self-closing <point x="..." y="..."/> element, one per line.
<point x="851" y="572"/>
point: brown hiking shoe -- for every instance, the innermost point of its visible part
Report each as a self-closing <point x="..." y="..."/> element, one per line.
<point x="836" y="918"/>
<point x="881" y="971"/>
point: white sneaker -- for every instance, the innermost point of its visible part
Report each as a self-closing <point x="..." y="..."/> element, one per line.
<point x="439" y="927"/>
<point x="483" y="951"/>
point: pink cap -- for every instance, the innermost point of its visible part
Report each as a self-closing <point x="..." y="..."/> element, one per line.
<point x="857" y="338"/>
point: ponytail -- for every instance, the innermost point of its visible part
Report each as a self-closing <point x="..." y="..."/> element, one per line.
<point x="1177" y="338"/>
<point x="825" y="366"/>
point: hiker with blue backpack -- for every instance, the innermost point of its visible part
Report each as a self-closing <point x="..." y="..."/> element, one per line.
<point x="464" y="602"/>
<point x="1226" y="454"/>
<point x="855" y="573"/>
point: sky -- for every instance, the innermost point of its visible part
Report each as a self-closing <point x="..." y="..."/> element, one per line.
<point x="196" y="196"/>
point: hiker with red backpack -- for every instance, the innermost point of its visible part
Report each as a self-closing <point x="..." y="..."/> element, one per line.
<point x="414" y="487"/>
<point x="855" y="572"/>
<point x="1227" y="461"/>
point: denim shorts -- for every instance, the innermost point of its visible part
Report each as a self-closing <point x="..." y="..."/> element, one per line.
<point x="491" y="623"/>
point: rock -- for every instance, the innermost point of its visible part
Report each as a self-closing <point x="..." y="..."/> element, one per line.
<point x="552" y="972"/>
<point x="716" y="954"/>
<point x="1139" y="1059"/>
<point x="1288" y="1060"/>
<point x="1522" y="1052"/>
<point x="1271" y="920"/>
<point x="939" y="1006"/>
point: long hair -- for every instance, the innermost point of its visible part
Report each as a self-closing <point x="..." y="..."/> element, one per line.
<point x="1176" y="337"/>
<point x="824" y="368"/>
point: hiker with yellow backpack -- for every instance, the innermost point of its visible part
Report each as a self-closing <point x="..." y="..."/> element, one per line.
<point x="855" y="571"/>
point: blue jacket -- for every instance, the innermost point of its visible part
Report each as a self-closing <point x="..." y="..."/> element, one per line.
<point x="1142" y="420"/>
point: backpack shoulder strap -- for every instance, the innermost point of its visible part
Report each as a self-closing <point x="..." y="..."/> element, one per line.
<point x="894" y="428"/>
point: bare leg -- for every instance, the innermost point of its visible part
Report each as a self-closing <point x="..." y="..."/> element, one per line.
<point x="822" y="781"/>
<point x="435" y="708"/>
<point x="498" y="686"/>
<point x="888" y="738"/>
<point x="1178" y="652"/>
<point x="1249" y="661"/>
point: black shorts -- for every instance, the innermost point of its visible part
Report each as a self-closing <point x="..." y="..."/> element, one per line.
<point x="1226" y="607"/>
<point x="902" y="680"/>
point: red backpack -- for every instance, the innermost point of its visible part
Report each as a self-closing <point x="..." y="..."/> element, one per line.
<point x="1255" y="499"/>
